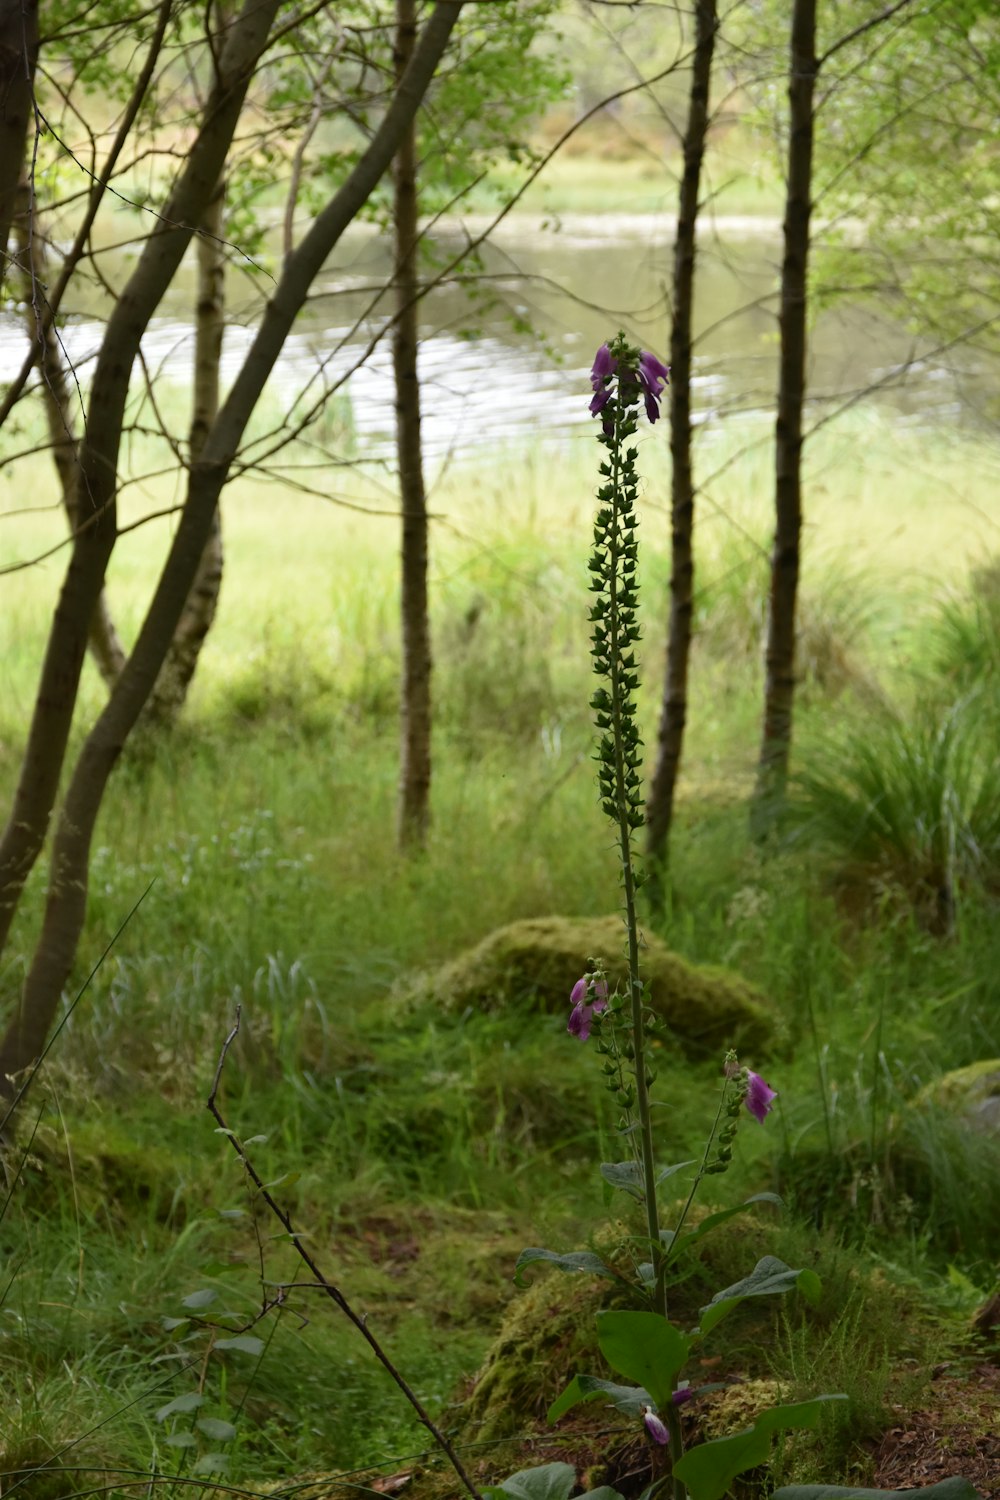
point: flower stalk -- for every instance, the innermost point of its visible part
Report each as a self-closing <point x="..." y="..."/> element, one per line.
<point x="622" y="374"/>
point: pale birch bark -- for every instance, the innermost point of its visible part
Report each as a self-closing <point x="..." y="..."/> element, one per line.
<point x="105" y="647"/>
<point x="415" y="694"/>
<point x="673" y="712"/>
<point x="170" y="693"/>
<point x="65" y="907"/>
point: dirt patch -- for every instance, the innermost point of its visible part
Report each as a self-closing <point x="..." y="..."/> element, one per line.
<point x="956" y="1434"/>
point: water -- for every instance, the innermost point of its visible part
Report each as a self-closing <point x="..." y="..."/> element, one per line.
<point x="487" y="380"/>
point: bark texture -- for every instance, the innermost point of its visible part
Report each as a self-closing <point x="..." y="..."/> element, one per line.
<point x="18" y="60"/>
<point x="673" y="712"/>
<point x="170" y="693"/>
<point x="105" y="647"/>
<point x="65" y="908"/>
<point x="415" y="695"/>
<point x="52" y="716"/>
<point x="779" y="687"/>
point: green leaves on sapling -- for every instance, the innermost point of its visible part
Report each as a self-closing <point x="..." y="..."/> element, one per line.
<point x="246" y="1343"/>
<point x="180" y="1405"/>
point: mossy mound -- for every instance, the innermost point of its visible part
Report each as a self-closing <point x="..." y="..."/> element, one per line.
<point x="545" y="1335"/>
<point x="970" y="1095"/>
<point x="536" y="962"/>
<point x="102" y="1165"/>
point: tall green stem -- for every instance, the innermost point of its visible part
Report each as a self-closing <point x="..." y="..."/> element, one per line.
<point x="614" y="617"/>
<point x="616" y="655"/>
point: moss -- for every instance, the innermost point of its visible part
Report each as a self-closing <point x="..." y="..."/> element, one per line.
<point x="971" y="1094"/>
<point x="544" y="1336"/>
<point x="101" y="1164"/>
<point x="536" y="962"/>
<point x="739" y="1406"/>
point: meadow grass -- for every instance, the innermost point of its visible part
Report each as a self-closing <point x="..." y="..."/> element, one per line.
<point x="428" y="1150"/>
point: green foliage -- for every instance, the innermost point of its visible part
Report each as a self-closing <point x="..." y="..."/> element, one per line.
<point x="644" y="1347"/>
<point x="769" y="1278"/>
<point x="907" y="805"/>
<point x="549" y="1482"/>
<point x="433" y="1143"/>
<point x="911" y="155"/>
<point x="709" y="1469"/>
<point x="965" y="638"/>
<point x="945" y="1489"/>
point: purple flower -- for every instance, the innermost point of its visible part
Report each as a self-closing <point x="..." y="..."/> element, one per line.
<point x="652" y="377"/>
<point x="604" y="366"/>
<point x="583" y="1010"/>
<point x="654" y="1426"/>
<point x="760" y="1096"/>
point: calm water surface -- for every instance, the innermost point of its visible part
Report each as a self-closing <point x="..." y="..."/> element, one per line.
<point x="488" y="380"/>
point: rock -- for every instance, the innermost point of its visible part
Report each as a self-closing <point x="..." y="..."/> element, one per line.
<point x="971" y="1095"/>
<point x="536" y="962"/>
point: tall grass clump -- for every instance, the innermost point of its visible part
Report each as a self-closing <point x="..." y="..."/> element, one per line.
<point x="965" y="640"/>
<point x="905" y="806"/>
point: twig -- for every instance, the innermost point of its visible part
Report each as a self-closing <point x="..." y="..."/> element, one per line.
<point x="333" y="1292"/>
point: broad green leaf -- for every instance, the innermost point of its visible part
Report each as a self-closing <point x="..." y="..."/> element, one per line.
<point x="604" y="1493"/>
<point x="211" y="1463"/>
<point x="626" y="1175"/>
<point x="169" y="1324"/>
<point x="712" y="1221"/>
<point x="249" y="1343"/>
<point x="945" y="1489"/>
<point x="197" y="1300"/>
<point x="628" y="1398"/>
<point x="179" y="1404"/>
<point x="550" y="1482"/>
<point x="710" y="1469"/>
<point x="181" y="1440"/>
<point x="770" y="1277"/>
<point x="644" y="1347"/>
<point x="574" y="1260"/>
<point x="216" y="1429"/>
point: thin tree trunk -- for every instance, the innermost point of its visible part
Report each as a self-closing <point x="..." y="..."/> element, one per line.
<point x="170" y="693"/>
<point x="415" y="705"/>
<point x="65" y="908"/>
<point x="779" y="688"/>
<point x="105" y="647"/>
<point x="18" y="59"/>
<point x="94" y="540"/>
<point x="673" y="715"/>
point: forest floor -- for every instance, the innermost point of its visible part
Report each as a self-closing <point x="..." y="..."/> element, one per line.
<point x="422" y="1151"/>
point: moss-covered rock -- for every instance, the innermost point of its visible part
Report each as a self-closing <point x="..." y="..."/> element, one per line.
<point x="536" y="962"/>
<point x="970" y="1095"/>
<point x="104" y="1165"/>
<point x="543" y="1338"/>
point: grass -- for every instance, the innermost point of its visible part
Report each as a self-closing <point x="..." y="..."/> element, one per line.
<point x="428" y="1151"/>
